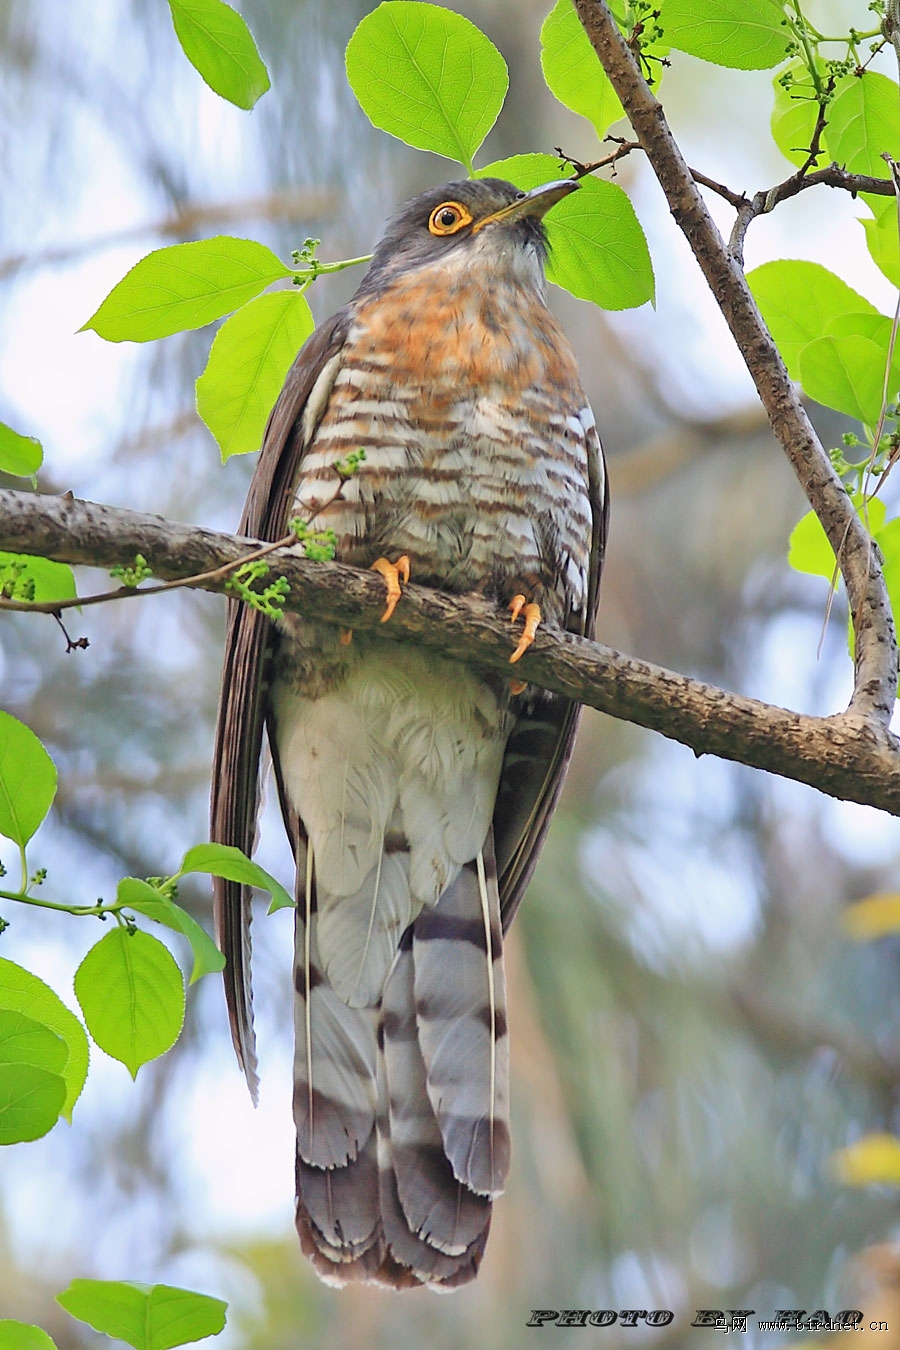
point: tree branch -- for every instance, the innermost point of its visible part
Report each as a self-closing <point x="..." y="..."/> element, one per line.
<point x="841" y="755"/>
<point x="303" y="205"/>
<point x="875" y="684"/>
<point x="766" y="200"/>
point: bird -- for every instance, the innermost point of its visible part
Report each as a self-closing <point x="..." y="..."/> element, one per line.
<point x="416" y="790"/>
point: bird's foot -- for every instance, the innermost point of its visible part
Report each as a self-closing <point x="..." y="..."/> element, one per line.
<point x="532" y="615"/>
<point x="393" y="574"/>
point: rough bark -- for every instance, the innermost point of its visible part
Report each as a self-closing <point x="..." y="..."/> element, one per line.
<point x="850" y="755"/>
<point x="875" y="684"/>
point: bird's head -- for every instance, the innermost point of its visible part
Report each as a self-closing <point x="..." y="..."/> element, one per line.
<point x="478" y="222"/>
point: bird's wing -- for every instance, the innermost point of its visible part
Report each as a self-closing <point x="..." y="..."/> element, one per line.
<point x="242" y="710"/>
<point x="541" y="742"/>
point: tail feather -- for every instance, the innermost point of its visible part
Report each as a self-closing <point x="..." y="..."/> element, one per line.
<point x="402" y="1107"/>
<point x="436" y="1206"/>
<point x="462" y="1024"/>
<point x="414" y="1256"/>
<point x="342" y="1205"/>
<point x="358" y="934"/>
<point x="335" y="1059"/>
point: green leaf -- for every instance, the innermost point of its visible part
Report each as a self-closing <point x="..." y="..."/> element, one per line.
<point x="219" y="45"/>
<point x="31" y="1101"/>
<point x="23" y="576"/>
<point x="572" y="71"/>
<point x="744" y="34"/>
<point x="882" y="235"/>
<point x="20" y="991"/>
<point x="27" y="780"/>
<point x="597" y="247"/>
<point x="427" y="76"/>
<point x="845" y="373"/>
<point x="888" y="539"/>
<point x="19" y="455"/>
<point x="810" y="550"/>
<point x="22" y="1336"/>
<point x="598" y="250"/>
<point x="248" y="361"/>
<point x="222" y="860"/>
<point x="185" y="286"/>
<point x="26" y="1041"/>
<point x="147" y="1317"/>
<point x="863" y="121"/>
<point x="798" y="300"/>
<point x="795" y="114"/>
<point x="877" y="328"/>
<point x="132" y="995"/>
<point x="147" y="900"/>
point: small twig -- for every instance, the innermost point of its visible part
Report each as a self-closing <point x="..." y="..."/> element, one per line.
<point x="815" y="144"/>
<point x="55" y="607"/>
<point x="623" y="148"/>
<point x="763" y="202"/>
<point x="871" y="57"/>
<point x="80" y="644"/>
<point x="832" y="176"/>
<point x="735" y="199"/>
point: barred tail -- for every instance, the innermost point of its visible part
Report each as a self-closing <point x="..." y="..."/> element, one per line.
<point x="402" y="1107"/>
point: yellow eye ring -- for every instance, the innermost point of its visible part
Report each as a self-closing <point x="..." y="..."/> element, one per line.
<point x="448" y="218"/>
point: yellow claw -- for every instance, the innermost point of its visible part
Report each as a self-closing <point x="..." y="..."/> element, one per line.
<point x="393" y="574"/>
<point x="532" y="614"/>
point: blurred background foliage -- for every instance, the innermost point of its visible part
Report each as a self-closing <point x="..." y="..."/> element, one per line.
<point x="693" y="1035"/>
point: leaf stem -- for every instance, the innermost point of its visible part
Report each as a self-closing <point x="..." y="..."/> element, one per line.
<point x="802" y="28"/>
<point x="316" y="268"/>
<point x="99" y="909"/>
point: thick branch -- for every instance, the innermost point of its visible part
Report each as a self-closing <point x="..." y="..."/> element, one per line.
<point x="876" y="648"/>
<point x="840" y="755"/>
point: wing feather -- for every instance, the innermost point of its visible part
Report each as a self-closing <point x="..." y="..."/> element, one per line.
<point x="541" y="742"/>
<point x="242" y="712"/>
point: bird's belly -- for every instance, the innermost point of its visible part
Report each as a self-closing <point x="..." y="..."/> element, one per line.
<point x="386" y="752"/>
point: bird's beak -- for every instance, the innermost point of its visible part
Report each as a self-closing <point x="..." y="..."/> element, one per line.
<point x="535" y="203"/>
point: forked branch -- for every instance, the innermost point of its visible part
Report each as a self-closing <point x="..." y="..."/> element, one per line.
<point x="875" y="678"/>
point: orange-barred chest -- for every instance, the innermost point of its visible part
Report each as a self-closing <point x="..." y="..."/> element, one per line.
<point x="468" y="407"/>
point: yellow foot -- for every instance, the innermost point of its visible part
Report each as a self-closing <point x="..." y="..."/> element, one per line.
<point x="393" y="574"/>
<point x="346" y="637"/>
<point x="532" y="615"/>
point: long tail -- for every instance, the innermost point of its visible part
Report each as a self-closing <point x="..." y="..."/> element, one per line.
<point x="402" y="1107"/>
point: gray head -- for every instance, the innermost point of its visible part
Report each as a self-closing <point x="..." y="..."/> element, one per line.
<point x="483" y="220"/>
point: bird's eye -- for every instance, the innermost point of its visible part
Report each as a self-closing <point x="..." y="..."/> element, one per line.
<point x="448" y="218"/>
